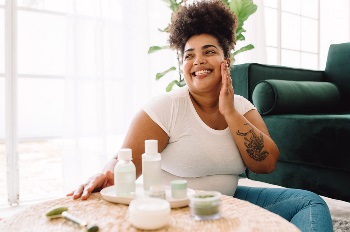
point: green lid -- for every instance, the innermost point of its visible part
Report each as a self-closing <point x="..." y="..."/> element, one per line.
<point x="178" y="184"/>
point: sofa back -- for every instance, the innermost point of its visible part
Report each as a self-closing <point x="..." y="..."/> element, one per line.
<point x="338" y="71"/>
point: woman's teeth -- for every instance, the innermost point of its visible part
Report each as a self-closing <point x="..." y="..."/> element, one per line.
<point x="202" y="72"/>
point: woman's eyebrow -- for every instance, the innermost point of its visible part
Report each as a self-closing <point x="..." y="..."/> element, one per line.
<point x="189" y="50"/>
<point x="208" y="46"/>
<point x="204" y="47"/>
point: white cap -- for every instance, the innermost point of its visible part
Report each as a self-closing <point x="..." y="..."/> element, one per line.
<point x="125" y="154"/>
<point x="151" y="147"/>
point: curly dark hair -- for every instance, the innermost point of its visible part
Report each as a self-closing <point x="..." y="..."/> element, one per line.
<point x="204" y="17"/>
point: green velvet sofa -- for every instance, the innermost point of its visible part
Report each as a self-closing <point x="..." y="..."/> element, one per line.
<point x="307" y="113"/>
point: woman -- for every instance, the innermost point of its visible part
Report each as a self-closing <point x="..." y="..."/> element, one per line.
<point x="206" y="134"/>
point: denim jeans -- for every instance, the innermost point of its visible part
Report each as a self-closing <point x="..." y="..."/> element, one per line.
<point x="306" y="210"/>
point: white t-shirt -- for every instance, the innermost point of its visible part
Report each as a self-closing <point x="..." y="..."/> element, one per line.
<point x="208" y="159"/>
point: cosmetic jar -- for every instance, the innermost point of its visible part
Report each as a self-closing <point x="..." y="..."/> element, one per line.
<point x="149" y="213"/>
<point x="157" y="191"/>
<point x="205" y="205"/>
<point x="178" y="189"/>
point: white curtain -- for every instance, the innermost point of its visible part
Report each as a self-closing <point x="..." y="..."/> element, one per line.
<point x="108" y="78"/>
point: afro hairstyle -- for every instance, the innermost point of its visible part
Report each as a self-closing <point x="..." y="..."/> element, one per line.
<point x="211" y="17"/>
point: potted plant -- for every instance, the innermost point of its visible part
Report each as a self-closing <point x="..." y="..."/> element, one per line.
<point x="241" y="8"/>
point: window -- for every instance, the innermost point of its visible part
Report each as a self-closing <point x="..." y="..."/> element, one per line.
<point x="3" y="185"/>
<point x="299" y="33"/>
<point x="77" y="85"/>
<point x="40" y="97"/>
<point x="292" y="33"/>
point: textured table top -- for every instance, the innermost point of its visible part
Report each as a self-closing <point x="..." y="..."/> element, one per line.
<point x="237" y="215"/>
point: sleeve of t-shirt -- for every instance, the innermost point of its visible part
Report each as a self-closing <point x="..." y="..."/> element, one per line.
<point x="243" y="105"/>
<point x="160" y="110"/>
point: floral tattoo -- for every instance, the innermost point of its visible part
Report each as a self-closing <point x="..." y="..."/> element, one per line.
<point x="254" y="144"/>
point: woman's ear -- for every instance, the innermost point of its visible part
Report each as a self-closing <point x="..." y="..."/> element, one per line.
<point x="228" y="61"/>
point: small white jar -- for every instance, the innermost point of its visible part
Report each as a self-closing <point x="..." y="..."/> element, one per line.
<point x="178" y="189"/>
<point x="149" y="213"/>
<point x="157" y="191"/>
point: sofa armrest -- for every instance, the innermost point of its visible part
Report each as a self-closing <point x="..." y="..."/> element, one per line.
<point x="246" y="76"/>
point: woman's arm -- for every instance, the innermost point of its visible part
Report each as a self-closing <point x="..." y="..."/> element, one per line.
<point x="143" y="128"/>
<point x="259" y="152"/>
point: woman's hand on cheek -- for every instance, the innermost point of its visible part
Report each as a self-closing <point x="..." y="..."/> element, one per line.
<point x="226" y="98"/>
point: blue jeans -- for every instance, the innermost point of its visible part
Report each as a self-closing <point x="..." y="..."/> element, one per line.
<point x="306" y="210"/>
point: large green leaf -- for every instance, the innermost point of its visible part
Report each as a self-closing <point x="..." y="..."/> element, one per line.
<point x="160" y="75"/>
<point x="173" y="4"/>
<point x="226" y="2"/>
<point x="164" y="30"/>
<point x="235" y="6"/>
<point x="244" y="49"/>
<point x="170" y="86"/>
<point x="243" y="8"/>
<point x="157" y="48"/>
<point x="240" y="37"/>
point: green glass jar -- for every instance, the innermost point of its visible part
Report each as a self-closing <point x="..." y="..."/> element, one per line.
<point x="205" y="205"/>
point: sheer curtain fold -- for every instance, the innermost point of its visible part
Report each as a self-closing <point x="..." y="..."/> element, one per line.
<point x="85" y="108"/>
<point x="105" y="67"/>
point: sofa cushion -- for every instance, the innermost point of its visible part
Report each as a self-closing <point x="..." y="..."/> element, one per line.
<point x="296" y="97"/>
<point x="246" y="76"/>
<point x="313" y="153"/>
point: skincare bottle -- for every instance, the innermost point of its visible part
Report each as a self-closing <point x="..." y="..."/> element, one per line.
<point x="151" y="169"/>
<point x="125" y="174"/>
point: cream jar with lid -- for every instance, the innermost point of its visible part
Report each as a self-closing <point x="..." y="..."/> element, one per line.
<point x="178" y="189"/>
<point x="149" y="213"/>
<point x="205" y="205"/>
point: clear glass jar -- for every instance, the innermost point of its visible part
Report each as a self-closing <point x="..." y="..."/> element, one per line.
<point x="205" y="205"/>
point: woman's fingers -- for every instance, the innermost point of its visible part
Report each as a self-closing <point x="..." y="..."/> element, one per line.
<point x="110" y="178"/>
<point x="95" y="183"/>
<point x="84" y="191"/>
<point x="69" y="194"/>
<point x="226" y="78"/>
<point x="77" y="193"/>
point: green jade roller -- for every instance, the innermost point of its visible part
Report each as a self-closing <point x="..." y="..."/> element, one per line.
<point x="60" y="212"/>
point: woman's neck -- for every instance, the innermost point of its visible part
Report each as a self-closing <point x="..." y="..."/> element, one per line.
<point x="208" y="103"/>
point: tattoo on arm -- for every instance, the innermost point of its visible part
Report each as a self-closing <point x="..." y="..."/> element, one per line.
<point x="254" y="144"/>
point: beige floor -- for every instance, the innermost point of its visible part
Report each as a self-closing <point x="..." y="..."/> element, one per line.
<point x="40" y="173"/>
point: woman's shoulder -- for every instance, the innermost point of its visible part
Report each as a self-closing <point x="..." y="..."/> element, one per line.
<point x="240" y="98"/>
<point x="168" y="99"/>
<point x="242" y="104"/>
<point x="174" y="95"/>
<point x="179" y="93"/>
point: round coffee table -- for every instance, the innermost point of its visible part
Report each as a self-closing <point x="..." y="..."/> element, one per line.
<point x="237" y="215"/>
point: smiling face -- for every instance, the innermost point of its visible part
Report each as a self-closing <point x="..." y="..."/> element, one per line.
<point x="201" y="63"/>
